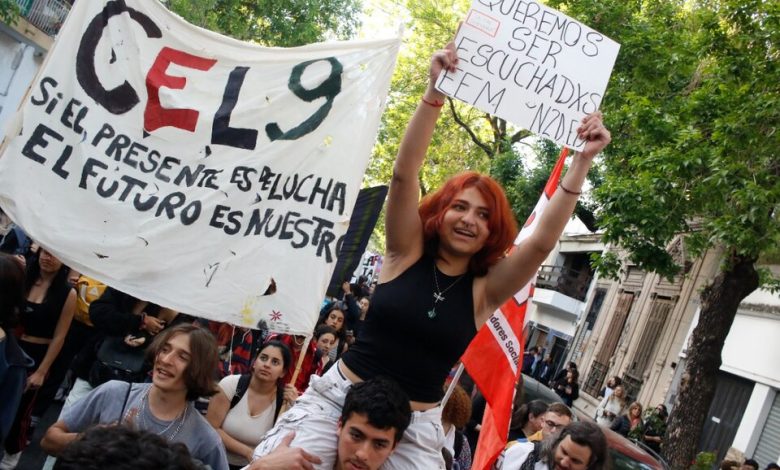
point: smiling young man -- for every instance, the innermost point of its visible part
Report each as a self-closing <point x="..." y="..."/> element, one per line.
<point x="184" y="360"/>
<point x="375" y="415"/>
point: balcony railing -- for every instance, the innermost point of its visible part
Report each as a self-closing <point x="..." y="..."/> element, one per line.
<point x="46" y="15"/>
<point x="566" y="281"/>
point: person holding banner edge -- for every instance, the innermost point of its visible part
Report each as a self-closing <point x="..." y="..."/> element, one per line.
<point x="445" y="273"/>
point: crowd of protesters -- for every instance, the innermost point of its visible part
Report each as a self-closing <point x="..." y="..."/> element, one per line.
<point x="444" y="274"/>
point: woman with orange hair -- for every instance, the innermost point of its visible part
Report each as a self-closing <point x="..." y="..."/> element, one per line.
<point x="445" y="272"/>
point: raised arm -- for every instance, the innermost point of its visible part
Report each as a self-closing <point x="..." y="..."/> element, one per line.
<point x="403" y="225"/>
<point x="513" y="272"/>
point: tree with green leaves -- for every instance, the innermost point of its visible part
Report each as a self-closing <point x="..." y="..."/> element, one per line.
<point x="9" y="11"/>
<point x="694" y="107"/>
<point x="282" y="23"/>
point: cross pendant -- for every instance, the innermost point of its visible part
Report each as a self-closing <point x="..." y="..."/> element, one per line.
<point x="432" y="313"/>
<point x="438" y="296"/>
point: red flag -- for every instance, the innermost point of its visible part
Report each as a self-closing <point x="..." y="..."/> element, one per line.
<point x="493" y="356"/>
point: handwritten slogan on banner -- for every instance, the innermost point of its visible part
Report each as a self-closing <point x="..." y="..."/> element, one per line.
<point x="205" y="174"/>
<point x="531" y="65"/>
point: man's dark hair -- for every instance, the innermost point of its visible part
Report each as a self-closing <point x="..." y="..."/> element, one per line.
<point x="383" y="403"/>
<point x="204" y="358"/>
<point x="751" y="463"/>
<point x="585" y="434"/>
<point x="772" y="466"/>
<point x="123" y="448"/>
<point x="560" y="409"/>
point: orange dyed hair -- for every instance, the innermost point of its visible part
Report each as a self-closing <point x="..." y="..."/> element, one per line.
<point x="501" y="220"/>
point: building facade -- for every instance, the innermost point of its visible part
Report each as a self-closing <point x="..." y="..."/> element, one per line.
<point x="637" y="328"/>
<point x="23" y="47"/>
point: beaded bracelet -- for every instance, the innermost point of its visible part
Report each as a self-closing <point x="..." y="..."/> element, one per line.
<point x="569" y="191"/>
<point x="435" y="104"/>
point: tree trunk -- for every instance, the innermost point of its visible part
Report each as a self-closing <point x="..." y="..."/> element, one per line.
<point x="719" y="303"/>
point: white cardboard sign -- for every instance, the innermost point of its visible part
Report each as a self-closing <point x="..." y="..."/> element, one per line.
<point x="531" y="65"/>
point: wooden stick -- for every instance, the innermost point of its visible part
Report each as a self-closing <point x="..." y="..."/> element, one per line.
<point x="298" y="365"/>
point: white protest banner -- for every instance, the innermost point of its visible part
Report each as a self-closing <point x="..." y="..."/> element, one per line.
<point x="531" y="65"/>
<point x="208" y="175"/>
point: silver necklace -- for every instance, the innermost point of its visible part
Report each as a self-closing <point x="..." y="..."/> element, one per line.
<point x="145" y="409"/>
<point x="438" y="294"/>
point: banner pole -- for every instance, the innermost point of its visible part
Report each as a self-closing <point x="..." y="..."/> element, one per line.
<point x="298" y="365"/>
<point x="453" y="383"/>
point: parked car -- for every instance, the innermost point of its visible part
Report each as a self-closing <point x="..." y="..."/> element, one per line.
<point x="626" y="454"/>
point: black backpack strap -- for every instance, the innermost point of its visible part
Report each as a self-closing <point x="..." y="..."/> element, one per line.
<point x="124" y="403"/>
<point x="279" y="401"/>
<point x="241" y="388"/>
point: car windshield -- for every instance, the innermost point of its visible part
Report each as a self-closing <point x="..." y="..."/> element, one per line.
<point x="621" y="461"/>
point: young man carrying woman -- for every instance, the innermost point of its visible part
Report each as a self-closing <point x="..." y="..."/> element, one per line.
<point x="443" y="275"/>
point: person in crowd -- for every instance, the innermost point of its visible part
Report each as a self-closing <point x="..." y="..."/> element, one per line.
<point x="123" y="448"/>
<point x="373" y="419"/>
<point x="325" y="336"/>
<point x="527" y="419"/>
<point x="579" y="446"/>
<point x="311" y="364"/>
<point x="568" y="388"/>
<point x="611" y="407"/>
<point x="334" y="316"/>
<point x="729" y="465"/>
<point x="454" y="416"/>
<point x="112" y="334"/>
<point x="445" y="272"/>
<point x="247" y="405"/>
<point x="363" y="304"/>
<point x="557" y="417"/>
<point x="610" y="387"/>
<point x="654" y="428"/>
<point x="629" y="424"/>
<point x="772" y="466"/>
<point x="561" y="375"/>
<point x="184" y="359"/>
<point x="48" y="312"/>
<point x="544" y="371"/>
<point x="14" y="363"/>
<point x="348" y="306"/>
<point x="528" y="360"/>
<point x="749" y="464"/>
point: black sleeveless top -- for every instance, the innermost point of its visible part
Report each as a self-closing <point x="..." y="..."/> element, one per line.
<point x="40" y="320"/>
<point x="400" y="341"/>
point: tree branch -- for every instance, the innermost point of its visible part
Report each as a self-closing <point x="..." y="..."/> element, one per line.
<point x="485" y="148"/>
<point x="520" y="135"/>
